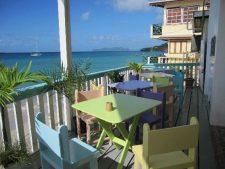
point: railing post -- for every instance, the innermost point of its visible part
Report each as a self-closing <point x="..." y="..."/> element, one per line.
<point x="104" y="83"/>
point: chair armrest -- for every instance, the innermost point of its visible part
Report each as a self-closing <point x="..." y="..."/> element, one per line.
<point x="82" y="145"/>
<point x="80" y="150"/>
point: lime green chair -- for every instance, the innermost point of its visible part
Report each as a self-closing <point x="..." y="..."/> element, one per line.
<point x="162" y="81"/>
<point x="163" y="148"/>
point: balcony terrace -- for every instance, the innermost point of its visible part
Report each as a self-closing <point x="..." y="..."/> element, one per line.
<point x="20" y="118"/>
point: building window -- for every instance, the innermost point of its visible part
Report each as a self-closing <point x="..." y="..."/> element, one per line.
<point x="188" y="13"/>
<point x="180" y="15"/>
<point x="174" y="15"/>
<point x="179" y="47"/>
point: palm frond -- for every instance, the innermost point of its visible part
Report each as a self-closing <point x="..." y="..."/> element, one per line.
<point x="11" y="78"/>
<point x="66" y="81"/>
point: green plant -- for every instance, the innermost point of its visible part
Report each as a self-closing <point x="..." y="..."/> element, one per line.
<point x="10" y="79"/>
<point x="66" y="80"/>
<point x="115" y="76"/>
<point x="135" y="66"/>
<point x="16" y="153"/>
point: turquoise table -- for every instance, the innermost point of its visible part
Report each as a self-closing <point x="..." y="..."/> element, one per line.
<point x="124" y="107"/>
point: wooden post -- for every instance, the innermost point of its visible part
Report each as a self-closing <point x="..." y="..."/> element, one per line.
<point x="64" y="32"/>
<point x="65" y="45"/>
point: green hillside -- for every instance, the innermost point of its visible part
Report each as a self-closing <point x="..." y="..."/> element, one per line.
<point x="162" y="47"/>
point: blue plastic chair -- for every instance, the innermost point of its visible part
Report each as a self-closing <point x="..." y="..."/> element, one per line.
<point x="133" y="77"/>
<point x="148" y="117"/>
<point x="178" y="81"/>
<point x="57" y="151"/>
<point x="169" y="71"/>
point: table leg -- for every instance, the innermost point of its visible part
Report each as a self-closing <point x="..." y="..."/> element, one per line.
<point x="107" y="131"/>
<point x="128" y="141"/>
<point x="101" y="139"/>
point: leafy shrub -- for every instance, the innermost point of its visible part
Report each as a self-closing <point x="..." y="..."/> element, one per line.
<point x="16" y="153"/>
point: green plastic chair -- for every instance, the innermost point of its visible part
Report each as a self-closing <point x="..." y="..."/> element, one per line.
<point x="163" y="148"/>
<point x="162" y="81"/>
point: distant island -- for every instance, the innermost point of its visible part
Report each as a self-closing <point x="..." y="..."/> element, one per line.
<point x="162" y="47"/>
<point x="111" y="49"/>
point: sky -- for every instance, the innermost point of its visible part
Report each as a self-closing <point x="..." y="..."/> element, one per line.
<point x="30" y="25"/>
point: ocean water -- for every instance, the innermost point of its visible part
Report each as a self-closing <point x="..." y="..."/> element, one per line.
<point x="100" y="61"/>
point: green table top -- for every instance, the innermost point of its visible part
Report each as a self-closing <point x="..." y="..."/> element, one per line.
<point x="124" y="107"/>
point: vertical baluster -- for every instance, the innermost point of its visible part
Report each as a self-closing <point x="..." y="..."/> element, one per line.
<point x="51" y="108"/>
<point x="1" y="129"/>
<point x="66" y="112"/>
<point x="41" y="106"/>
<point x="196" y="74"/>
<point x="20" y="122"/>
<point x="88" y="85"/>
<point x="59" y="107"/>
<point x="7" y="126"/>
<point x="104" y="83"/>
<point x="31" y="125"/>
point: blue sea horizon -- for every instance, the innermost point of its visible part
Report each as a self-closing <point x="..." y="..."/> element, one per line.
<point x="100" y="60"/>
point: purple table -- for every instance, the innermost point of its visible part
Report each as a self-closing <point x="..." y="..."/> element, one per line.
<point x="132" y="85"/>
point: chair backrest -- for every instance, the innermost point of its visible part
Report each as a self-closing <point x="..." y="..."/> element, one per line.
<point x="170" y="139"/>
<point x="169" y="90"/>
<point x="169" y="71"/>
<point x="87" y="95"/>
<point x="163" y="81"/>
<point x="161" y="96"/>
<point x="54" y="142"/>
<point x="133" y="77"/>
<point x="178" y="80"/>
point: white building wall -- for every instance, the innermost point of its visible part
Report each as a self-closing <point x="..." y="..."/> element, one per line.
<point x="216" y="65"/>
<point x="212" y="31"/>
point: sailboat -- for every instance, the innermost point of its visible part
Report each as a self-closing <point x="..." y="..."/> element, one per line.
<point x="36" y="53"/>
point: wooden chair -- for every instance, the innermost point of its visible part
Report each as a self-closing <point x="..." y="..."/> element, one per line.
<point x="169" y="91"/>
<point x="163" y="148"/>
<point x="88" y="119"/>
<point x="56" y="150"/>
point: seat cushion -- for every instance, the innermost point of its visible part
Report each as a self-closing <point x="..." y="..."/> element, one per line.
<point x="148" y="117"/>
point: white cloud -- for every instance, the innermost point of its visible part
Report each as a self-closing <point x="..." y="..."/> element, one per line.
<point x="130" y="5"/>
<point x="85" y="16"/>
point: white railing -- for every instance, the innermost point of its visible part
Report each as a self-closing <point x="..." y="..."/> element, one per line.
<point x="19" y="115"/>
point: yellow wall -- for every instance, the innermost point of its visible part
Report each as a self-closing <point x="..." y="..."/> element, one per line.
<point x="179" y="46"/>
<point x="177" y="30"/>
<point x="184" y="29"/>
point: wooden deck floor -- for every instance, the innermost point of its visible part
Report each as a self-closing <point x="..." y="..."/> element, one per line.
<point x="194" y="105"/>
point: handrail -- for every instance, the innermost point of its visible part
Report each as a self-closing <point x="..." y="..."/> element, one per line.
<point x="36" y="89"/>
<point x="170" y="64"/>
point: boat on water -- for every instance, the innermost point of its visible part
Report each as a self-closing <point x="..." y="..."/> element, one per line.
<point x="36" y="54"/>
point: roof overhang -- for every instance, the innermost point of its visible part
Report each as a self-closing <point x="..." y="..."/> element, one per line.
<point x="175" y="37"/>
<point x="159" y="3"/>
